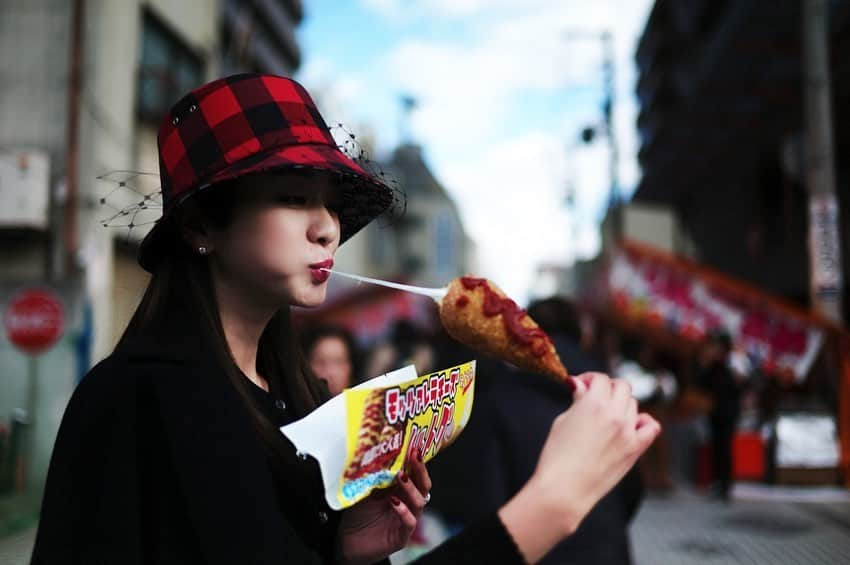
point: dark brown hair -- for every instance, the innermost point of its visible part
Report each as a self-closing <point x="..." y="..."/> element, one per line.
<point x="312" y="334"/>
<point x="182" y="284"/>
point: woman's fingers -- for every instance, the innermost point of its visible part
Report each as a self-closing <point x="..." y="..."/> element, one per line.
<point x="621" y="393"/>
<point x="419" y="474"/>
<point x="647" y="430"/>
<point x="579" y="387"/>
<point x="632" y="415"/>
<point x="409" y="493"/>
<point x="645" y="419"/>
<point x="599" y="385"/>
<point x="403" y="511"/>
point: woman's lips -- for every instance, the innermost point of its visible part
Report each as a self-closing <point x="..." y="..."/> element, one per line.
<point x="318" y="270"/>
<point x="319" y="276"/>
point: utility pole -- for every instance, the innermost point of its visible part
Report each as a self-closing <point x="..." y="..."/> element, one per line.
<point x="826" y="277"/>
<point x="608" y="72"/>
<point x="606" y="38"/>
<point x="72" y="153"/>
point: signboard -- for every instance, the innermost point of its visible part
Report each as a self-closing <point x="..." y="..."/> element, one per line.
<point x="824" y="247"/>
<point x="24" y="182"/>
<point x="663" y="291"/>
<point x="34" y="320"/>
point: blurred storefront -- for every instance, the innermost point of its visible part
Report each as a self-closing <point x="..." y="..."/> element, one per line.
<point x="427" y="245"/>
<point x="796" y="363"/>
<point x="722" y="127"/>
<point x="370" y="312"/>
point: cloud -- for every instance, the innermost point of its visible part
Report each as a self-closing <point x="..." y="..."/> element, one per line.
<point x="513" y="203"/>
<point x="503" y="95"/>
<point x="405" y="11"/>
<point x="473" y="83"/>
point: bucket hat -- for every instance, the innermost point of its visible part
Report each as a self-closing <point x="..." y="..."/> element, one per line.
<point x="246" y="124"/>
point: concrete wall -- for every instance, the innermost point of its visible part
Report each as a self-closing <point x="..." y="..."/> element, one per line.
<point x="116" y="140"/>
<point x="34" y="63"/>
<point x="656" y="225"/>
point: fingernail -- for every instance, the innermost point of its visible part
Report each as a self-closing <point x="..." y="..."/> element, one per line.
<point x="402" y="477"/>
<point x="395" y="500"/>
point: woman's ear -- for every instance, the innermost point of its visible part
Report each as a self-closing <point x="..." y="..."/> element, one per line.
<point x="195" y="230"/>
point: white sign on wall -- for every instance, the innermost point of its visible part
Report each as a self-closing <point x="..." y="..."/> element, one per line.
<point x="24" y="183"/>
<point x="825" y="249"/>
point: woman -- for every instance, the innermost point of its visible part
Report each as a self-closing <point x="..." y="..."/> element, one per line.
<point x="332" y="355"/>
<point x="169" y="450"/>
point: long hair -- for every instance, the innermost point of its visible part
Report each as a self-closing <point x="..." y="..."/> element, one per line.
<point x="182" y="285"/>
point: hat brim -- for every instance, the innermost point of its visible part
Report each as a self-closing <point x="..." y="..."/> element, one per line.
<point x="363" y="196"/>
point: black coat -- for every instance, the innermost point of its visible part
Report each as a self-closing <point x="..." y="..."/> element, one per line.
<point x="157" y="461"/>
<point x="499" y="450"/>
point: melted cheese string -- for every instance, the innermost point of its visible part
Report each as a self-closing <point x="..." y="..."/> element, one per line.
<point x="435" y="293"/>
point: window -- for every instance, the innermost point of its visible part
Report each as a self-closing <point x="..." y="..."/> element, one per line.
<point x="444" y="235"/>
<point x="167" y="70"/>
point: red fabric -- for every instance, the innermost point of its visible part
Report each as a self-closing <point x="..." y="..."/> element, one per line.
<point x="215" y="127"/>
<point x="748" y="457"/>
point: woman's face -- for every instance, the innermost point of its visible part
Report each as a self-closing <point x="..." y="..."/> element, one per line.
<point x="330" y="360"/>
<point x="284" y="231"/>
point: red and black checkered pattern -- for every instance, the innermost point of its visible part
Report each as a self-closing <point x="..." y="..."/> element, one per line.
<point x="251" y="123"/>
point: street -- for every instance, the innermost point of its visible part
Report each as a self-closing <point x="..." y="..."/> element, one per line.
<point x="761" y="525"/>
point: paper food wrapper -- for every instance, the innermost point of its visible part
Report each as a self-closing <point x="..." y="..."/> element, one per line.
<point x="362" y="437"/>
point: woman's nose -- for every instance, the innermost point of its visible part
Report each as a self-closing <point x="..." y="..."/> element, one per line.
<point x="324" y="228"/>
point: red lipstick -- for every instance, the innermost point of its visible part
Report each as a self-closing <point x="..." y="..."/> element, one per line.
<point x="318" y="273"/>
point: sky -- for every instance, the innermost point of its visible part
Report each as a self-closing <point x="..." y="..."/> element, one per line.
<point x="502" y="95"/>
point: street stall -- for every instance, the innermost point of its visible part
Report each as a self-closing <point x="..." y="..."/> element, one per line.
<point x="804" y="359"/>
<point x="370" y="312"/>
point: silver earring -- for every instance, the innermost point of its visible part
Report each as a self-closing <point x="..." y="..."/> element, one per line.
<point x="202" y="250"/>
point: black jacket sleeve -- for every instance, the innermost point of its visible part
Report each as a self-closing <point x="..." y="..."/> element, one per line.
<point x="488" y="541"/>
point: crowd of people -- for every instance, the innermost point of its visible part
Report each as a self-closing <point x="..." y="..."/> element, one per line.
<point x="515" y="409"/>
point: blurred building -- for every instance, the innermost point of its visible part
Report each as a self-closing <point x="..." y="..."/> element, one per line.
<point x="426" y="245"/>
<point x="85" y="85"/>
<point x="430" y="241"/>
<point x="721" y="122"/>
<point x="259" y="35"/>
<point x="718" y="228"/>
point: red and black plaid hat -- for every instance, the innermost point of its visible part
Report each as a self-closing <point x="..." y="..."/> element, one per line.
<point x="246" y="124"/>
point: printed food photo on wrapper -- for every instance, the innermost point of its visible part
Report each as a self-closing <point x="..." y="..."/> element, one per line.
<point x="363" y="437"/>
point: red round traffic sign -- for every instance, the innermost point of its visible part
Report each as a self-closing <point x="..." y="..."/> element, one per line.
<point x="34" y="320"/>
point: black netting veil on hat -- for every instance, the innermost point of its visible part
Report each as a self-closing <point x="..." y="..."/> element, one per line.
<point x="134" y="199"/>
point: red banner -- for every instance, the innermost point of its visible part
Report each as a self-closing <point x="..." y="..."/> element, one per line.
<point x="650" y="286"/>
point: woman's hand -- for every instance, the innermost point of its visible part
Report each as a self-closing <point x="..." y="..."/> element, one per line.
<point x="590" y="448"/>
<point x="592" y="445"/>
<point x="382" y="524"/>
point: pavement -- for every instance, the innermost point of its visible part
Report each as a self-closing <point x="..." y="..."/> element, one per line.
<point x="761" y="525"/>
<point x="15" y="549"/>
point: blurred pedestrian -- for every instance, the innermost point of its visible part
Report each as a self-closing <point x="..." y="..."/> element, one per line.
<point x="380" y="359"/>
<point x="170" y="451"/>
<point x="333" y="356"/>
<point x="716" y="377"/>
<point x="413" y="345"/>
<point x="659" y="392"/>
